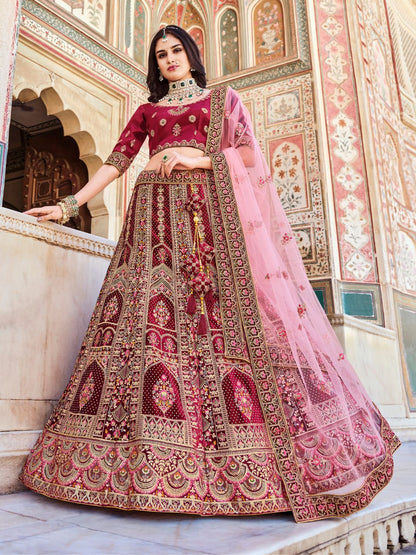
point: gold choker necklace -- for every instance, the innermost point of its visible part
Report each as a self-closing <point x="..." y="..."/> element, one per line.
<point x="181" y="91"/>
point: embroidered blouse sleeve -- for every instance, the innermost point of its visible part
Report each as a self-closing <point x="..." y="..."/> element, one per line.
<point x="129" y="143"/>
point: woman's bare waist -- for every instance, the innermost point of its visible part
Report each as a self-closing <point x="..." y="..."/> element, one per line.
<point x="191" y="152"/>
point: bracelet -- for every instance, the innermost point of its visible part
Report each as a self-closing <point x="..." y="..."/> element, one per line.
<point x="70" y="208"/>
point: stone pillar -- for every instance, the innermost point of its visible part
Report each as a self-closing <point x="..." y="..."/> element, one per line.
<point x="9" y="27"/>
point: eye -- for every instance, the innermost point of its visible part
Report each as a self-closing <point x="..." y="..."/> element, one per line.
<point x="161" y="55"/>
<point x="178" y="49"/>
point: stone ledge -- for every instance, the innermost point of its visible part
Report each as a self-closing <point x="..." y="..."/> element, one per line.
<point x="14" y="448"/>
<point x="55" y="234"/>
<point x="404" y="428"/>
<point x="364" y="325"/>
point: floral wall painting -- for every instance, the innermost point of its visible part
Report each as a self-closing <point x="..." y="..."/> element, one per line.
<point x="268" y="23"/>
<point x="288" y="172"/>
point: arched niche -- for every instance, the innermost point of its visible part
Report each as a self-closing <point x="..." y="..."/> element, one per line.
<point x="71" y="128"/>
<point x="43" y="162"/>
<point x="273" y="31"/>
<point x="192" y="18"/>
<point x="134" y="30"/>
<point x="198" y="35"/>
<point x="91" y="112"/>
<point x="228" y="34"/>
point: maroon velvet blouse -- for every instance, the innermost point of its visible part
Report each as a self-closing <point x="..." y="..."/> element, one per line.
<point x="166" y="127"/>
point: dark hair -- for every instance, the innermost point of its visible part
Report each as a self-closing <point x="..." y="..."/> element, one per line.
<point x="158" y="88"/>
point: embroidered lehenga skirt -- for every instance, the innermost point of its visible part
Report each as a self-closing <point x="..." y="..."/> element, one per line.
<point x="159" y="414"/>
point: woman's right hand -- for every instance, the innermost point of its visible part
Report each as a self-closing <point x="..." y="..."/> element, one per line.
<point x="44" y="213"/>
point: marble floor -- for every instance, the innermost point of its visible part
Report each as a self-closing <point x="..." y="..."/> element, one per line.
<point x="32" y="524"/>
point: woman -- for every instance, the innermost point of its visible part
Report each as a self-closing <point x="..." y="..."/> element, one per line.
<point x="209" y="380"/>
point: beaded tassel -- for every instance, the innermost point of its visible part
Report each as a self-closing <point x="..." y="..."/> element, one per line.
<point x="203" y="324"/>
<point x="191" y="305"/>
<point x="201" y="280"/>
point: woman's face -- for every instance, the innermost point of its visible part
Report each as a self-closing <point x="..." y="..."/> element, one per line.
<point x="172" y="59"/>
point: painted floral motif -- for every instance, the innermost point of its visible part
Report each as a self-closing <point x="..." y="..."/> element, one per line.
<point x="341" y="110"/>
<point x="345" y="138"/>
<point x="289" y="176"/>
<point x="349" y="179"/>
<point x="407" y="261"/>
<point x="332" y="26"/>
<point x="358" y="266"/>
<point x="269" y="31"/>
<point x="163" y="394"/>
<point x="354" y="221"/>
<point x="303" y="241"/>
<point x="336" y="61"/>
<point x="340" y="98"/>
<point x="283" y="107"/>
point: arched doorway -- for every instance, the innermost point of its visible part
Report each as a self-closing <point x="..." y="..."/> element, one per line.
<point x="43" y="165"/>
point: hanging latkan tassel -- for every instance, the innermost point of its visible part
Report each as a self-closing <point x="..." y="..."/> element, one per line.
<point x="191" y="304"/>
<point x="203" y="324"/>
<point x="203" y="278"/>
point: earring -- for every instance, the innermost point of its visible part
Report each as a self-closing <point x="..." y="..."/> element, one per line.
<point x="192" y="69"/>
<point x="160" y="76"/>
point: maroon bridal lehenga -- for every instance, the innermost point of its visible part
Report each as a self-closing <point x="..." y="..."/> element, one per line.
<point x="209" y="380"/>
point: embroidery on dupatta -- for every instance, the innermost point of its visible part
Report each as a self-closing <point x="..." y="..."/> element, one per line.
<point x="235" y="343"/>
<point x="305" y="506"/>
<point x="214" y="136"/>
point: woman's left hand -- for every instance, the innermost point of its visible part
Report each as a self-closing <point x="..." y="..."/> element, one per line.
<point x="176" y="161"/>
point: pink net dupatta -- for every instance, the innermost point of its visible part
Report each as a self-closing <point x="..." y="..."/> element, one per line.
<point x="333" y="447"/>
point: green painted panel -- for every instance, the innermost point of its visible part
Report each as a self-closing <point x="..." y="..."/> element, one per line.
<point x="320" y="293"/>
<point x="408" y="327"/>
<point x="359" y="303"/>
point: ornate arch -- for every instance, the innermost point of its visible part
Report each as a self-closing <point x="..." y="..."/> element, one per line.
<point x="140" y="31"/>
<point x="72" y="127"/>
<point x="192" y="18"/>
<point x="229" y="35"/>
<point x="268" y="23"/>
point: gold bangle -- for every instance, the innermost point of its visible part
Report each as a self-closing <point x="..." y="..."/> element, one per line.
<point x="65" y="216"/>
<point x="70" y="208"/>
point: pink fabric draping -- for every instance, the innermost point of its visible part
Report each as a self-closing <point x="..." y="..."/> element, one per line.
<point x="293" y="320"/>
